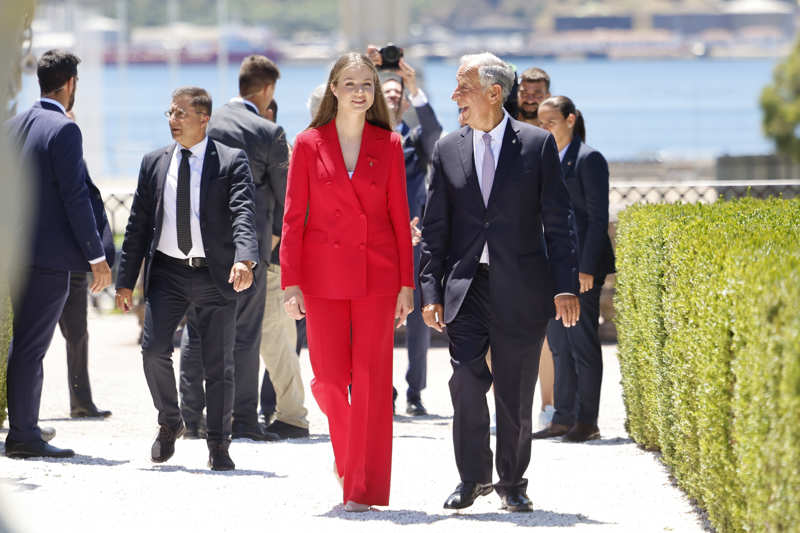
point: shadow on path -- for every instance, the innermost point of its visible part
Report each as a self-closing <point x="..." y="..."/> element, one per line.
<point x="231" y="473"/>
<point x="18" y="484"/>
<point x="538" y="517"/>
<point x="77" y="459"/>
<point x="401" y="419"/>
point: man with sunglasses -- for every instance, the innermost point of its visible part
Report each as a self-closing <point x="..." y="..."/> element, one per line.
<point x="192" y="222"/>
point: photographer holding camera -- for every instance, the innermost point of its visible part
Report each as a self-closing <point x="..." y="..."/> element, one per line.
<point x="397" y="76"/>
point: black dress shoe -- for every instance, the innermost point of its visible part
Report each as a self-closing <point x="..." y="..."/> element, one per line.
<point x="415" y="408"/>
<point x="218" y="457"/>
<point x="164" y="445"/>
<point x="466" y="493"/>
<point x="195" y="430"/>
<point x="287" y="431"/>
<point x="38" y="448"/>
<point x="581" y="432"/>
<point x="517" y="501"/>
<point x="48" y="433"/>
<point x="89" y="412"/>
<point x="253" y="433"/>
<point x="553" y="430"/>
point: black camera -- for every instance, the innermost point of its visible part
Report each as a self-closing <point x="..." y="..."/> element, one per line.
<point x="391" y="56"/>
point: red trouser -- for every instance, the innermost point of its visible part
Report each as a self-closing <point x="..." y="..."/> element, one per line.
<point x="355" y="338"/>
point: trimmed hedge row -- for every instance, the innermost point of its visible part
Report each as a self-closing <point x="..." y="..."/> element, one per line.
<point x="5" y="340"/>
<point x="708" y="319"/>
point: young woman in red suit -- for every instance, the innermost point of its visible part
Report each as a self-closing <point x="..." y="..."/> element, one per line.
<point x="346" y="265"/>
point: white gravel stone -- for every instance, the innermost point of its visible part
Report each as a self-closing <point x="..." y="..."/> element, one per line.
<point x="111" y="485"/>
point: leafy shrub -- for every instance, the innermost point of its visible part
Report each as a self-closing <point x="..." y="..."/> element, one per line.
<point x="708" y="303"/>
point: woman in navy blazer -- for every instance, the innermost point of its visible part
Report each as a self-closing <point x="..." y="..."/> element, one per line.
<point x="576" y="351"/>
<point x="346" y="264"/>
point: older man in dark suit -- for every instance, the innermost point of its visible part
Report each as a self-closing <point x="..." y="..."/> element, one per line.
<point x="240" y="124"/>
<point x="498" y="260"/>
<point x="69" y="232"/>
<point x="192" y="222"/>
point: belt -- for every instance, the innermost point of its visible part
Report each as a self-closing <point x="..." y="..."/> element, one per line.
<point x="190" y="262"/>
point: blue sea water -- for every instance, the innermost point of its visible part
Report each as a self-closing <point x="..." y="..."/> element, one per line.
<point x="634" y="109"/>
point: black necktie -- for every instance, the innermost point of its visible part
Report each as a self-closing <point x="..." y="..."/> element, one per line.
<point x="183" y="205"/>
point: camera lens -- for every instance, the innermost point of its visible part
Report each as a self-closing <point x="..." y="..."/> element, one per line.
<point x="391" y="55"/>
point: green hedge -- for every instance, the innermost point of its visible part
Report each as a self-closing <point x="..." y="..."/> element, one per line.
<point x="708" y="318"/>
<point x="5" y="340"/>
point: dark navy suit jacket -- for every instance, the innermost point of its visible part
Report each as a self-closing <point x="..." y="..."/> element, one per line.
<point x="586" y="176"/>
<point x="227" y="220"/>
<point x="418" y="146"/>
<point x="527" y="226"/>
<point x="69" y="221"/>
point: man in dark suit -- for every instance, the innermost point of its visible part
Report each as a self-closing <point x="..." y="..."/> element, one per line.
<point x="69" y="232"/>
<point x="76" y="334"/>
<point x="498" y="260"/>
<point x="192" y="222"/>
<point x="418" y="145"/>
<point x="239" y="124"/>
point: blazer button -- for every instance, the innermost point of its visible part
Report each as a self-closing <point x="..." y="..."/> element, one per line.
<point x="372" y="185"/>
<point x="362" y="246"/>
<point x="362" y="216"/>
<point x="338" y="213"/>
<point x="329" y="182"/>
<point x="335" y="244"/>
<point x="486" y="224"/>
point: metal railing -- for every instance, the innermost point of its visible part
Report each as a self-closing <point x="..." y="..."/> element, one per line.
<point x="621" y="194"/>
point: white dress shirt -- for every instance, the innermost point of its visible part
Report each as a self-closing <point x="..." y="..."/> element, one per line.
<point x="419" y="99"/>
<point x="168" y="243"/>
<point x="246" y="102"/>
<point x="562" y="153"/>
<point x="63" y="110"/>
<point x="478" y="150"/>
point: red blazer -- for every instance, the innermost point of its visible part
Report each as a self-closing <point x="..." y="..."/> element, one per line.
<point x="342" y="237"/>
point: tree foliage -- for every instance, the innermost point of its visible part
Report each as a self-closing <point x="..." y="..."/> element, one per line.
<point x="780" y="104"/>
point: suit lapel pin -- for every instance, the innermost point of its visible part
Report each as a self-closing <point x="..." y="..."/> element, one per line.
<point x="569" y="163"/>
<point x="513" y="141"/>
<point x="370" y="163"/>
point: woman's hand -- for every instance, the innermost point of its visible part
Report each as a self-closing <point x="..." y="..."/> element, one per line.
<point x="293" y="302"/>
<point x="405" y="304"/>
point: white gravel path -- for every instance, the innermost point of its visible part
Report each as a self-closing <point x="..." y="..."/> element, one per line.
<point x="111" y="485"/>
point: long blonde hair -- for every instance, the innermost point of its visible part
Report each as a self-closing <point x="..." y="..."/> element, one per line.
<point x="377" y="114"/>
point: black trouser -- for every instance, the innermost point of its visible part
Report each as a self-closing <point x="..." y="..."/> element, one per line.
<point x="74" y="329"/>
<point x="515" y="360"/>
<point x="578" y="361"/>
<point x="418" y="340"/>
<point x="249" y="314"/>
<point x="36" y="310"/>
<point x="173" y="289"/>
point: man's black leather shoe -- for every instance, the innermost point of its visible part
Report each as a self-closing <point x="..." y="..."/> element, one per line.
<point x="164" y="445"/>
<point x="48" y="433"/>
<point x="253" y="433"/>
<point x="517" y="502"/>
<point x="466" y="493"/>
<point x="581" y="432"/>
<point x="38" y="448"/>
<point x="287" y="431"/>
<point x="415" y="408"/>
<point x="195" y="430"/>
<point x="89" y="412"/>
<point x="218" y="456"/>
<point x="553" y="430"/>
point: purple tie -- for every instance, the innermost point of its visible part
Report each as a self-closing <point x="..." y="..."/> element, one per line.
<point x="487" y="169"/>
